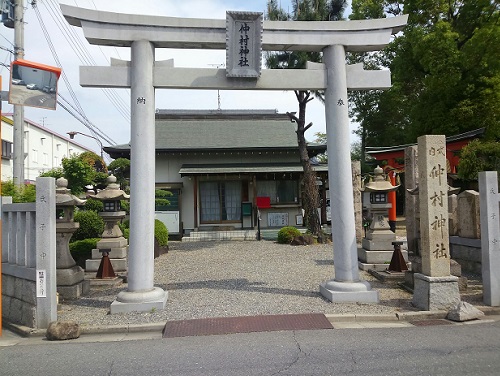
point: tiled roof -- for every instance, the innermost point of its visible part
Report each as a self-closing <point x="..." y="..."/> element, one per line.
<point x="211" y="130"/>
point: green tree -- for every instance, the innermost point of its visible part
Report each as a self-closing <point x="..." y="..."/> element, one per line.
<point x="304" y="10"/>
<point x="22" y="193"/>
<point x="81" y="170"/>
<point x="445" y="72"/>
<point x="478" y="156"/>
<point x="120" y="168"/>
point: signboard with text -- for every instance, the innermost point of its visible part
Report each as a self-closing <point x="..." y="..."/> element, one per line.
<point x="244" y="44"/>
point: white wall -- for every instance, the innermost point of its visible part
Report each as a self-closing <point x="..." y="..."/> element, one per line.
<point x="43" y="148"/>
<point x="168" y="166"/>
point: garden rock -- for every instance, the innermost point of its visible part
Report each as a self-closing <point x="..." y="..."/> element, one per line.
<point x="303" y="240"/>
<point x="62" y="330"/>
<point x="464" y="311"/>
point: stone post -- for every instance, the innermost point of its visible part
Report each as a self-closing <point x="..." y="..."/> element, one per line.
<point x="411" y="201"/>
<point x="358" y="206"/>
<point x="490" y="237"/>
<point x="346" y="286"/>
<point x="435" y="288"/>
<point x="46" y="299"/>
<point x="141" y="294"/>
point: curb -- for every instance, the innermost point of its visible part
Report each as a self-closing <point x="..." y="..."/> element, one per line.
<point x="124" y="329"/>
<point x="23" y="331"/>
<point x="28" y="332"/>
<point x="388" y="317"/>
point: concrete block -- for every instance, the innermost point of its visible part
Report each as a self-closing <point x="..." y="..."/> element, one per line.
<point x="28" y="315"/>
<point x="378" y="257"/>
<point x="112" y="243"/>
<point x="114" y="253"/>
<point x="119" y="265"/>
<point x="468" y="215"/>
<point x="377" y="245"/>
<point x="69" y="277"/>
<point x="15" y="311"/>
<point x="6" y="303"/>
<point x="7" y="285"/>
<point x="29" y="292"/>
<point x="18" y="288"/>
<point x="72" y="292"/>
<point x="435" y="293"/>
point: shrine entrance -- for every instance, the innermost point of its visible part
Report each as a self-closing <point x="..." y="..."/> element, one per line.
<point x="244" y="35"/>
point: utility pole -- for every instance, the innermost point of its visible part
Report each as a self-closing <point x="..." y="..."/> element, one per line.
<point x="18" y="110"/>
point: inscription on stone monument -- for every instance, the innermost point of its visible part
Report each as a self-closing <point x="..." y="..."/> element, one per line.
<point x="433" y="206"/>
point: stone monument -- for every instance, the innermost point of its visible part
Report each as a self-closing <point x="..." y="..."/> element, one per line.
<point x="70" y="278"/>
<point x="490" y="236"/>
<point x="434" y="287"/>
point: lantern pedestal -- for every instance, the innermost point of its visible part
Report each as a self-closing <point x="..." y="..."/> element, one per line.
<point x="71" y="282"/>
<point x="113" y="242"/>
<point x="70" y="278"/>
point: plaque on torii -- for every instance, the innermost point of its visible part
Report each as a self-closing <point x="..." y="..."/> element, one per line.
<point x="143" y="75"/>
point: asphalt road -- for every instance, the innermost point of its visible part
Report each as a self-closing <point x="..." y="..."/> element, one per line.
<point x="432" y="350"/>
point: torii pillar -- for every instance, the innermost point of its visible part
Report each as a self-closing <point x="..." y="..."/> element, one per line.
<point x="141" y="294"/>
<point x="346" y="286"/>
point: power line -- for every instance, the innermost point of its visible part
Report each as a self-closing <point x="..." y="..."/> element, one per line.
<point x="84" y="55"/>
<point x="93" y="128"/>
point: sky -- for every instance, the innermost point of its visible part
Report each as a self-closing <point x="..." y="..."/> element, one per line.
<point x="108" y="109"/>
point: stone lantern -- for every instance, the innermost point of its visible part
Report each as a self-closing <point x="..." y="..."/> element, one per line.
<point x="113" y="246"/>
<point x="70" y="277"/>
<point x="377" y="244"/>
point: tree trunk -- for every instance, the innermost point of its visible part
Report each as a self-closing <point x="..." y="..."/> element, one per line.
<point x="310" y="198"/>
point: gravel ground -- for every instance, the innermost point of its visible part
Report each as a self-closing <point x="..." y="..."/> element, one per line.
<point x="236" y="278"/>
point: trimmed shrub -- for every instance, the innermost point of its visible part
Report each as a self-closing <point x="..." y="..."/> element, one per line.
<point x="161" y="233"/>
<point x="91" y="225"/>
<point x="81" y="250"/>
<point x="287" y="233"/>
<point x="94" y="205"/>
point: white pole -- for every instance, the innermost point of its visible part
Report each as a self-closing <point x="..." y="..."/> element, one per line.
<point x="346" y="286"/>
<point x="141" y="294"/>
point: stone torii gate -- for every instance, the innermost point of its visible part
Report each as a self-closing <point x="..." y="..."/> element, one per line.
<point x="244" y="35"/>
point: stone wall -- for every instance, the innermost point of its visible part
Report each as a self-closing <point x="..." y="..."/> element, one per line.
<point x="467" y="252"/>
<point x="465" y="230"/>
<point x="29" y="294"/>
<point x="19" y="301"/>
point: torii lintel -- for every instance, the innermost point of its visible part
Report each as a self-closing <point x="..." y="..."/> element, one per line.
<point x="119" y="29"/>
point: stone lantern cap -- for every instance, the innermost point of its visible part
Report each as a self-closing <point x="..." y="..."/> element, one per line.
<point x="111" y="192"/>
<point x="379" y="183"/>
<point x="64" y="196"/>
